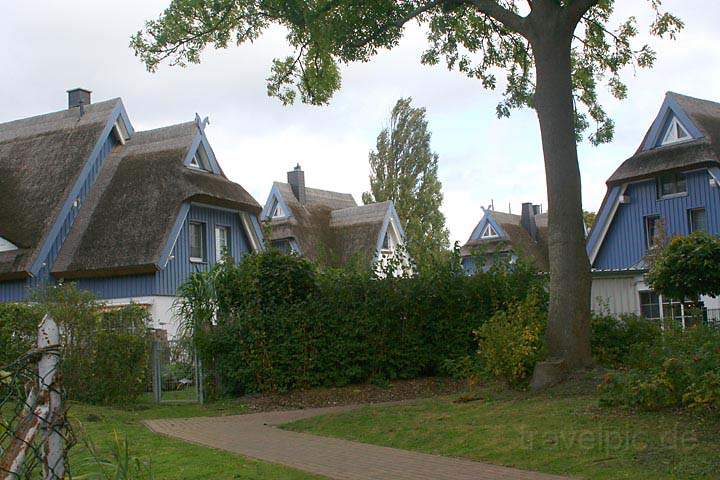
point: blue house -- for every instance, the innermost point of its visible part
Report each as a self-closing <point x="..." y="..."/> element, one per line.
<point x="500" y="235"/>
<point x="668" y="187"/>
<point x="329" y="227"/>
<point x="128" y="215"/>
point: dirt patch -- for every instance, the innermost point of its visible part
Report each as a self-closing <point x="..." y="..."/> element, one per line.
<point x="353" y="394"/>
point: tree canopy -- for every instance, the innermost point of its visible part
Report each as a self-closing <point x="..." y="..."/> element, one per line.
<point x="479" y="38"/>
<point x="687" y="267"/>
<point x="404" y="169"/>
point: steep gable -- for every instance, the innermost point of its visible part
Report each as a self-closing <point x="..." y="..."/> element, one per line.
<point x="43" y="161"/>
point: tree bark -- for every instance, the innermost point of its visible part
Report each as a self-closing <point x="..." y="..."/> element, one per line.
<point x="568" y="331"/>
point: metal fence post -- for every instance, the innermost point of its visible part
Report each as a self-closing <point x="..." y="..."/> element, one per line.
<point x="157" y="374"/>
<point x="52" y="441"/>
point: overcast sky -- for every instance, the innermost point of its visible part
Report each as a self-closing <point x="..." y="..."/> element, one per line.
<point x="51" y="46"/>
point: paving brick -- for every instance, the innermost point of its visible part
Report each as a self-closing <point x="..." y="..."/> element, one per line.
<point x="256" y="436"/>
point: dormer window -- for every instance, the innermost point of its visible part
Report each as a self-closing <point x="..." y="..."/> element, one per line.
<point x="6" y="245"/>
<point x="675" y="133"/>
<point x="489" y="232"/>
<point x="277" y="211"/>
<point x="200" y="160"/>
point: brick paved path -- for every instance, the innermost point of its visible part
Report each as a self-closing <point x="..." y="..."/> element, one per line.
<point x="255" y="436"/>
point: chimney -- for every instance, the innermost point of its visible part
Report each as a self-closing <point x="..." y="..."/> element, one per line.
<point x="296" y="179"/>
<point x="537" y="209"/>
<point x="527" y="220"/>
<point x="78" y="97"/>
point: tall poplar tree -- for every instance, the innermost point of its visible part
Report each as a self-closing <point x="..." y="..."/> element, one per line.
<point x="403" y="168"/>
<point x="554" y="54"/>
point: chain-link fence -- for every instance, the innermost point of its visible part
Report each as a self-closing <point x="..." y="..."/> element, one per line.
<point x="35" y="435"/>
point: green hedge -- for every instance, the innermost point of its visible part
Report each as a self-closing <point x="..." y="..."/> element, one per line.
<point x="18" y="330"/>
<point x="276" y="323"/>
<point x="105" y="353"/>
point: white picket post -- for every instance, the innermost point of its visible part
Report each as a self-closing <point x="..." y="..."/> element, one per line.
<point x="52" y="442"/>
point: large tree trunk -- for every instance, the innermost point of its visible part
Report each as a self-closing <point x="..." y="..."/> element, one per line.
<point x="568" y="332"/>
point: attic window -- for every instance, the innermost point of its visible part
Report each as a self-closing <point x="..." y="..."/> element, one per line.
<point x="277" y="211"/>
<point x="120" y="132"/>
<point x="489" y="232"/>
<point x="6" y="246"/>
<point x="200" y="160"/>
<point x="675" y="133"/>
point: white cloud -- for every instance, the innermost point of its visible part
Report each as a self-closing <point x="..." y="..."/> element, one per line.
<point x="52" y="46"/>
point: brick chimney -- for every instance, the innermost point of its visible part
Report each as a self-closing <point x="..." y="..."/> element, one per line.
<point x="296" y="179"/>
<point x="527" y="220"/>
<point x="78" y="96"/>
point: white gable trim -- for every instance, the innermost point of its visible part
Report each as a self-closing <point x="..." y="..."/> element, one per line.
<point x="606" y="224"/>
<point x="7" y="245"/>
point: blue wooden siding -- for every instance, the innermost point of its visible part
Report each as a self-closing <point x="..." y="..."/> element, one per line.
<point x="13" y="291"/>
<point x="179" y="267"/>
<point x="624" y="244"/>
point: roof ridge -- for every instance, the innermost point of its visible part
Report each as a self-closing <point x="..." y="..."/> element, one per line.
<point x="56" y="112"/>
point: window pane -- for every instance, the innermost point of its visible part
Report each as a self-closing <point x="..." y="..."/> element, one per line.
<point x="197" y="250"/>
<point x="698" y="220"/>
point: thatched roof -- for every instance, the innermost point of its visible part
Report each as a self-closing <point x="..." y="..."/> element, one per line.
<point x="697" y="153"/>
<point x="518" y="240"/>
<point x="40" y="160"/>
<point x="131" y="211"/>
<point x="330" y="227"/>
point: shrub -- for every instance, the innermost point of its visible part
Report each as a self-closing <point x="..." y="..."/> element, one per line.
<point x="618" y="341"/>
<point x="18" y="330"/>
<point x="680" y="369"/>
<point x="512" y="341"/>
<point x="276" y="323"/>
<point x="104" y="352"/>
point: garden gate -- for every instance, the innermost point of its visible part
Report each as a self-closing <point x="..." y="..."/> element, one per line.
<point x="176" y="372"/>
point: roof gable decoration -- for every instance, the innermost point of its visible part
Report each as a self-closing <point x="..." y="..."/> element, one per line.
<point x="275" y="206"/>
<point x="200" y="155"/>
<point x="671" y="125"/>
<point x="7" y="245"/>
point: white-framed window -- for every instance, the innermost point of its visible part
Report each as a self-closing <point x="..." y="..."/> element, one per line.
<point x="198" y="242"/>
<point x="489" y="232"/>
<point x="652" y="227"/>
<point x="277" y="210"/>
<point x="222" y="242"/>
<point x="697" y="220"/>
<point x="200" y="160"/>
<point x="675" y="133"/>
<point x="671" y="184"/>
<point x="666" y="310"/>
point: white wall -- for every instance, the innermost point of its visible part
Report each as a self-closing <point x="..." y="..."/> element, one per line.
<point x="619" y="295"/>
<point x="161" y="311"/>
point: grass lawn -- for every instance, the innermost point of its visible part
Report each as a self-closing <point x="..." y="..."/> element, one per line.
<point x="561" y="431"/>
<point x="169" y="458"/>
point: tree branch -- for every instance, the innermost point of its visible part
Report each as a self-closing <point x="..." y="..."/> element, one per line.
<point x="577" y="10"/>
<point x="509" y="19"/>
<point x="399" y="23"/>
